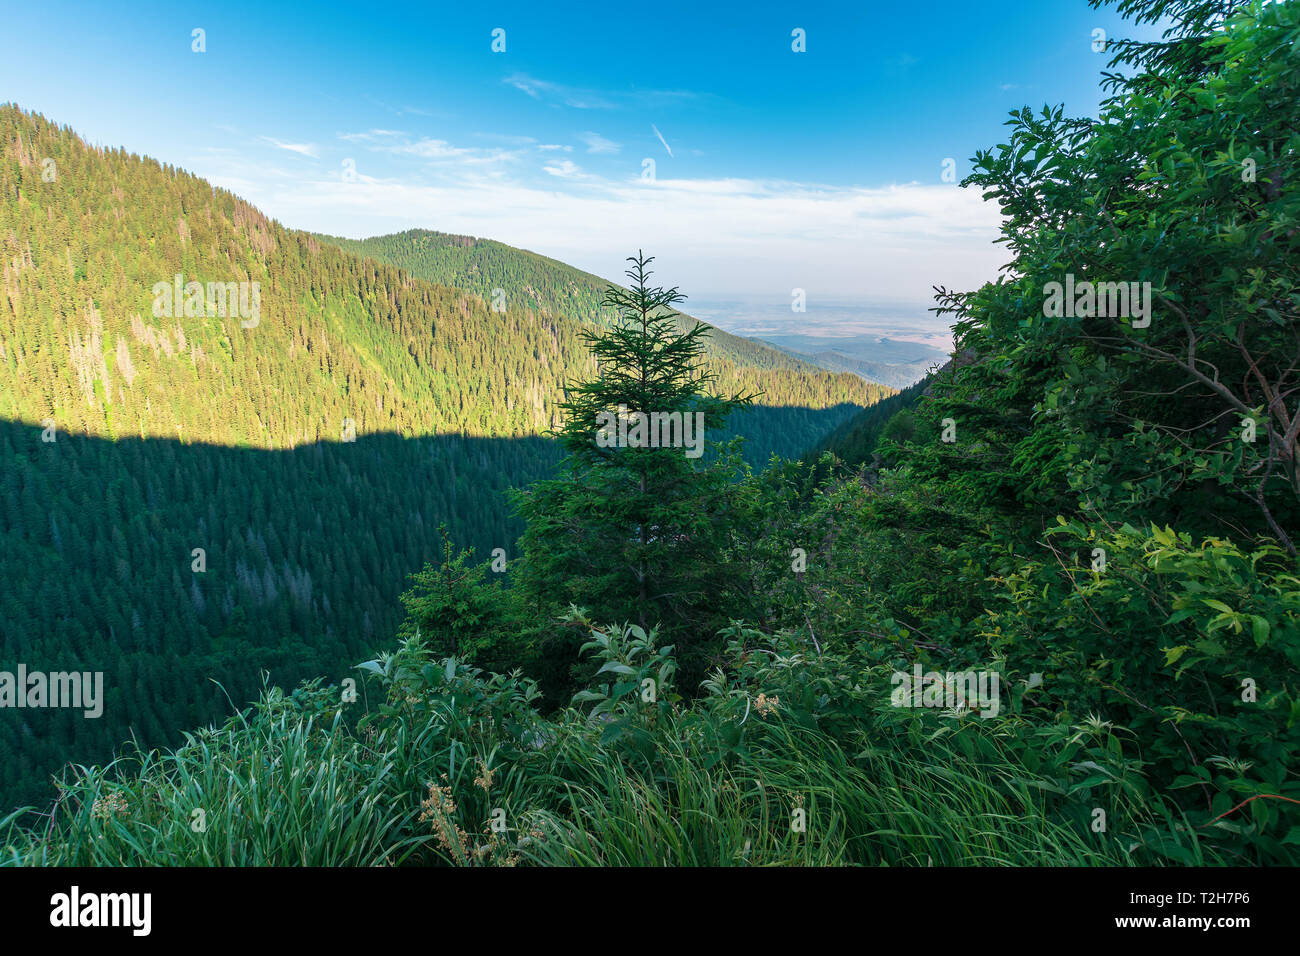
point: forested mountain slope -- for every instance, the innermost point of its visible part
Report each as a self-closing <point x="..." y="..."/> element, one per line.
<point x="308" y="442"/>
<point x="855" y="441"/>
<point x="522" y="279"/>
<point x="171" y="566"/>
<point x="337" y="336"/>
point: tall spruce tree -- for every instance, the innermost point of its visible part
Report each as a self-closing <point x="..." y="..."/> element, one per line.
<point x="634" y="528"/>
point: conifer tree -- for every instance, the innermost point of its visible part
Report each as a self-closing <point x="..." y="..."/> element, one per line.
<point x="631" y="530"/>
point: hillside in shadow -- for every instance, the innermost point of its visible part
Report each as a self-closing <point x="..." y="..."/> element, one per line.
<point x="304" y="552"/>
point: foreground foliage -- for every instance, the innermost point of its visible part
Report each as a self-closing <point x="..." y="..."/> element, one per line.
<point x="617" y="779"/>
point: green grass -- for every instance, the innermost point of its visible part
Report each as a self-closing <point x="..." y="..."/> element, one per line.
<point x="292" y="782"/>
<point x="274" y="787"/>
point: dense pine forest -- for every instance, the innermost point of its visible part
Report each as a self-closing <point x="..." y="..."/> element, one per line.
<point x="482" y="267"/>
<point x="688" y="661"/>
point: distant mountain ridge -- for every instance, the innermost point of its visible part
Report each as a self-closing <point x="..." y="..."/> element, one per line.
<point x="878" y="359"/>
<point x="898" y="375"/>
<point x="494" y="271"/>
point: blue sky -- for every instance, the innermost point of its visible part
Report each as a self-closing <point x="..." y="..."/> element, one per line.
<point x="772" y="169"/>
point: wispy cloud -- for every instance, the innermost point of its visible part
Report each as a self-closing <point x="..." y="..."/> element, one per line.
<point x="440" y="149"/>
<point x="370" y="136"/>
<point x="662" y="140"/>
<point x="891" y="242"/>
<point x="564" y="168"/>
<point x="508" y="139"/>
<point x="401" y="110"/>
<point x="303" y="149"/>
<point x="433" y="150"/>
<point x="560" y="94"/>
<point x="599" y="144"/>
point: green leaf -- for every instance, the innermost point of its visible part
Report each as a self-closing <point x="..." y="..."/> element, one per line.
<point x="617" y="668"/>
<point x="1259" y="629"/>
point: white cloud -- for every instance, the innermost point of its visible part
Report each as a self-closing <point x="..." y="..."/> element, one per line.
<point x="599" y="144"/>
<point x="441" y="149"/>
<point x="507" y="138"/>
<point x="889" y="243"/>
<point x="564" y="168"/>
<point x="304" y="149"/>
<point x="428" y="148"/>
<point x="370" y="136"/>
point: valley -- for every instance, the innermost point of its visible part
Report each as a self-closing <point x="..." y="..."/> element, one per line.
<point x="310" y="425"/>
